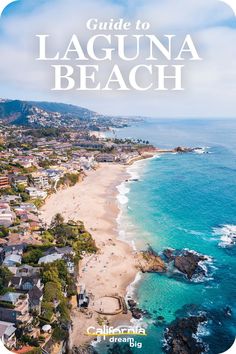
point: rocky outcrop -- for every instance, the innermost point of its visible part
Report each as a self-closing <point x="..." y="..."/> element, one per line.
<point x="137" y="313"/>
<point x="182" y="150"/>
<point x="84" y="349"/>
<point x="187" y="262"/>
<point x="180" y="336"/>
<point x="169" y="254"/>
<point x="150" y="262"/>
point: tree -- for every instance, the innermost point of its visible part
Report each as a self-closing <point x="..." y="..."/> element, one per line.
<point x="47" y="237"/>
<point x="32" y="256"/>
<point x="25" y="196"/>
<point x="38" y="202"/>
<point x="51" y="276"/>
<point x="59" y="334"/>
<point x="4" y="231"/>
<point x="57" y="220"/>
<point x="47" y="310"/>
<point x="20" y="188"/>
<point x="5" y="276"/>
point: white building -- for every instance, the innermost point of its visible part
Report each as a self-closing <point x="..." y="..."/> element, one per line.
<point x="12" y="260"/>
<point x="7" y="217"/>
<point x="50" y="258"/>
<point x="35" y="193"/>
<point x="40" y="180"/>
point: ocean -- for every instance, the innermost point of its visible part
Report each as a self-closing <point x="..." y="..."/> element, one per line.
<point x="184" y="201"/>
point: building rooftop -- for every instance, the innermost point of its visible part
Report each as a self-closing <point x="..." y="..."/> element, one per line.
<point x="6" y="328"/>
<point x="10" y="297"/>
<point x="15" y="258"/>
<point x="50" y="258"/>
<point x="35" y="294"/>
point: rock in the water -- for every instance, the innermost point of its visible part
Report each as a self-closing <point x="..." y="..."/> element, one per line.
<point x="84" y="349"/>
<point x="180" y="338"/>
<point x="160" y="318"/>
<point x="136" y="312"/>
<point x="131" y="303"/>
<point x="169" y="254"/>
<point x="182" y="149"/>
<point x="188" y="263"/>
<point x="150" y="262"/>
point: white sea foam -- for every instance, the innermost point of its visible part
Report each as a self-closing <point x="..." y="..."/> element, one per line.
<point x="133" y="172"/>
<point x="227" y="235"/>
<point x="191" y="232"/>
<point x="137" y="168"/>
<point x="202" y="330"/>
<point x="131" y="288"/>
<point x="123" y="190"/>
<point x="139" y="322"/>
<point x="125" y="228"/>
<point x="202" y="150"/>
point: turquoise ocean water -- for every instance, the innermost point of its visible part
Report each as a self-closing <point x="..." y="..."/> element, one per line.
<point x="185" y="201"/>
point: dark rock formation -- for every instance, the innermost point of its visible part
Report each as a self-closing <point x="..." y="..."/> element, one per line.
<point x="169" y="254"/>
<point x="187" y="262"/>
<point x="131" y="303"/>
<point x="136" y="312"/>
<point x="160" y="318"/>
<point x="180" y="338"/>
<point x="182" y="149"/>
<point x="84" y="349"/>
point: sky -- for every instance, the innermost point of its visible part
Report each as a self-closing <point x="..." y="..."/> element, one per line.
<point x="210" y="84"/>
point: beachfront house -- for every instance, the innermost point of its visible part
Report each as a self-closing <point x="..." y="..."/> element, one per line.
<point x="14" y="307"/>
<point x="57" y="253"/>
<point x="35" y="193"/>
<point x="35" y="299"/>
<point x="12" y="260"/>
<point x="7" y="334"/>
<point x="67" y="250"/>
<point x="50" y="258"/>
<point x="105" y="158"/>
<point x="40" y="180"/>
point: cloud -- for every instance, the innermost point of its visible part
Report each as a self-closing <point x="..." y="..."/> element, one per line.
<point x="210" y="22"/>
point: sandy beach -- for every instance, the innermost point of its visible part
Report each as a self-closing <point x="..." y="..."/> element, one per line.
<point x="112" y="269"/>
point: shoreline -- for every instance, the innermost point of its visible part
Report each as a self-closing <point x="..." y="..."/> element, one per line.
<point x="113" y="269"/>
